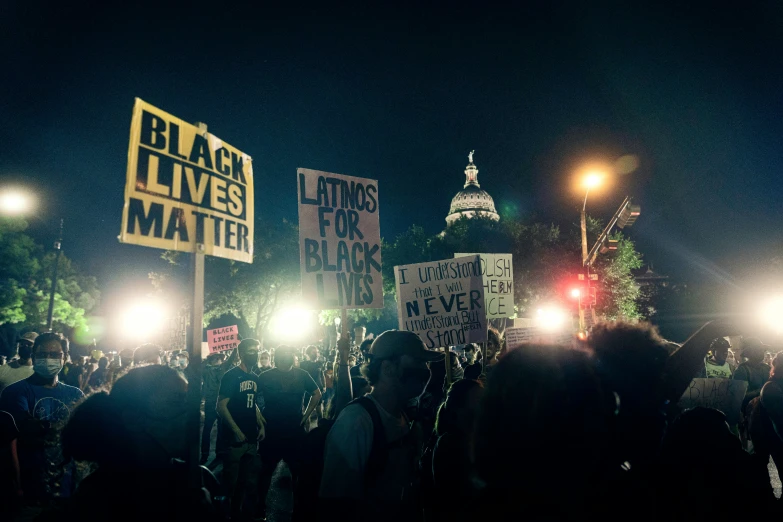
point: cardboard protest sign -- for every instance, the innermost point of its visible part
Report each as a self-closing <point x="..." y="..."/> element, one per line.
<point x="442" y="301"/>
<point x="725" y="395"/>
<point x="186" y="187"/>
<point x="516" y="337"/>
<point x="222" y="339"/>
<point x="498" y="273"/>
<point x="339" y="241"/>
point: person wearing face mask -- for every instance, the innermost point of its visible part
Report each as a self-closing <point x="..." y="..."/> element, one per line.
<point x="41" y="406"/>
<point x="238" y="409"/>
<point x="264" y="361"/>
<point x="138" y="440"/>
<point x="371" y="454"/>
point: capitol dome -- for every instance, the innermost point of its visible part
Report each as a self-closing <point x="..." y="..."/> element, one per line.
<point x="472" y="201"/>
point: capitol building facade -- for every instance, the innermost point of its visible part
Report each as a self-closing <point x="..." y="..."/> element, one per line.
<point x="471" y="201"/>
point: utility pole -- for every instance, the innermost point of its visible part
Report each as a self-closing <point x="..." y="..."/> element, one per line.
<point x="57" y="250"/>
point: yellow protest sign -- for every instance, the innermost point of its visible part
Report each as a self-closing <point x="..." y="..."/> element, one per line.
<point x="186" y="187"/>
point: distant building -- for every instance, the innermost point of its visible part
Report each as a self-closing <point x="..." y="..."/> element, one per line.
<point x="650" y="278"/>
<point x="471" y="201"/>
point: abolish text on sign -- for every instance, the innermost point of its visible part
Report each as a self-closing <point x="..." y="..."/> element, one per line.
<point x="497" y="271"/>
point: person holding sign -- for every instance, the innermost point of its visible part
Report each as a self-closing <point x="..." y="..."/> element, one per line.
<point x="716" y="366"/>
<point x="238" y="408"/>
<point x="370" y="459"/>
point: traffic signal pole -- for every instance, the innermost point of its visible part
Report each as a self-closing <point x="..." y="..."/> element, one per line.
<point x="625" y="216"/>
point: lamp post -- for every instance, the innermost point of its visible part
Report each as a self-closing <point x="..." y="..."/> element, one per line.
<point x="57" y="250"/>
<point x="591" y="180"/>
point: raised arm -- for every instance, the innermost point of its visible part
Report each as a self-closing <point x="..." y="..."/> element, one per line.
<point x="343" y="388"/>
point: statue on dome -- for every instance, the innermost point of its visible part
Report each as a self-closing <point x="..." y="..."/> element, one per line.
<point x="470" y="156"/>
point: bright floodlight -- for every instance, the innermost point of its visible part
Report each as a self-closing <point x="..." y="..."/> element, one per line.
<point x="592" y="180"/>
<point x="771" y="314"/>
<point x="575" y="293"/>
<point x="14" y="202"/>
<point x="550" y="319"/>
<point x="143" y="320"/>
<point x="292" y="323"/>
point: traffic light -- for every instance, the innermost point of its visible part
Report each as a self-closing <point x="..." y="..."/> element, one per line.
<point x="611" y="244"/>
<point x="628" y="215"/>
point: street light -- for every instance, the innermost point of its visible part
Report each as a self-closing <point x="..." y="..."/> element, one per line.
<point x="292" y="322"/>
<point x="551" y="319"/>
<point x="143" y="320"/>
<point x="14" y="202"/>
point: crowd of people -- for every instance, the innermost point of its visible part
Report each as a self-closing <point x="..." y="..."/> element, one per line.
<point x="384" y="429"/>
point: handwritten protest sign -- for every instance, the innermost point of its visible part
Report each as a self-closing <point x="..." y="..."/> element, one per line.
<point x="339" y="241"/>
<point x="222" y="339"/>
<point x="498" y="273"/>
<point x="722" y="394"/>
<point x="516" y="337"/>
<point x="185" y="188"/>
<point x="442" y="301"/>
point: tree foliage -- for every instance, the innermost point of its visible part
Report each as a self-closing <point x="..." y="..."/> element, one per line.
<point x="25" y="282"/>
<point x="546" y="261"/>
<point x="253" y="292"/>
<point x="620" y="295"/>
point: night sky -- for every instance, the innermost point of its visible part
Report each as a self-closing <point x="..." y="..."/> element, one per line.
<point x="402" y="94"/>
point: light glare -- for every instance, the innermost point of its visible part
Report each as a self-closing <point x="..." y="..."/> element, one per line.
<point x="14" y="202"/>
<point x="143" y="320"/>
<point x="551" y="319"/>
<point x="292" y="323"/>
<point x="592" y="180"/>
<point x="771" y="314"/>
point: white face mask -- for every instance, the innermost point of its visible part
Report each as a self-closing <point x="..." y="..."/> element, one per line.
<point x="48" y="367"/>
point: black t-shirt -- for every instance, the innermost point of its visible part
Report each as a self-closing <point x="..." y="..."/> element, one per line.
<point x="472" y="371"/>
<point x="241" y="390"/>
<point x="8" y="433"/>
<point x="313" y="368"/>
<point x="284" y="394"/>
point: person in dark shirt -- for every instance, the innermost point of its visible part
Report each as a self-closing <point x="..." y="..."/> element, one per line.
<point x="10" y="484"/>
<point x="754" y="370"/>
<point x="473" y="366"/>
<point x="41" y="406"/>
<point x="452" y="469"/>
<point x="216" y="367"/>
<point x="238" y="409"/>
<point x="100" y="377"/>
<point x="313" y="365"/>
<point x="137" y="436"/>
<point x="284" y="389"/>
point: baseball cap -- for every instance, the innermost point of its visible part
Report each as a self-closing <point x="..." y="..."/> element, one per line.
<point x="396" y="343"/>
<point x="29" y="336"/>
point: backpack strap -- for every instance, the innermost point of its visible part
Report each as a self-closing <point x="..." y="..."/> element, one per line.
<point x="379" y="453"/>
